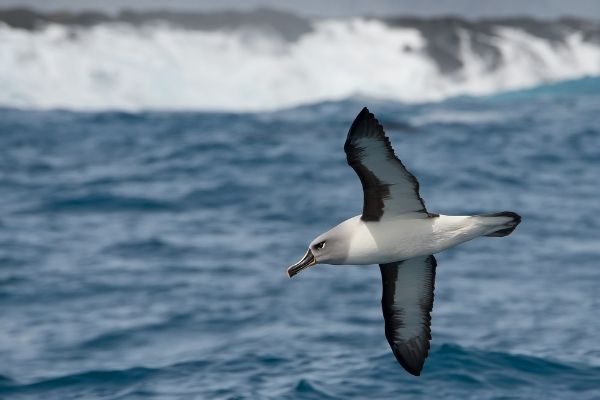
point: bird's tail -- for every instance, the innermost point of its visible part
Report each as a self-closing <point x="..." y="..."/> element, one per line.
<point x="506" y="222"/>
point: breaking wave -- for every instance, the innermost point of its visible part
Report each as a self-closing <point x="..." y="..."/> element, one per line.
<point x="165" y="66"/>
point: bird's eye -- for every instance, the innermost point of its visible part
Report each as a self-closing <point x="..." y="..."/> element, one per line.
<point x="319" y="246"/>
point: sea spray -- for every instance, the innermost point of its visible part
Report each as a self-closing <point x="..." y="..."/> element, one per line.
<point x="160" y="65"/>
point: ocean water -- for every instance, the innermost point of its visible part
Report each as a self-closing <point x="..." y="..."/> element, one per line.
<point x="143" y="255"/>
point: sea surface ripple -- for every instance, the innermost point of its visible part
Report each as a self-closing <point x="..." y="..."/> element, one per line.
<point x="143" y="255"/>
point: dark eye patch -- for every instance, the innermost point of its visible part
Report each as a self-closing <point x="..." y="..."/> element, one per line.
<point x="319" y="246"/>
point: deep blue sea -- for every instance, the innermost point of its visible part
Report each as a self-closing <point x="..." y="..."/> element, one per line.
<point x="143" y="255"/>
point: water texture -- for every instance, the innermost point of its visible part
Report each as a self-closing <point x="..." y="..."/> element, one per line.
<point x="143" y="255"/>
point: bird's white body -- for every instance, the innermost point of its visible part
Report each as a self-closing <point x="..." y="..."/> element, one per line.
<point x="396" y="239"/>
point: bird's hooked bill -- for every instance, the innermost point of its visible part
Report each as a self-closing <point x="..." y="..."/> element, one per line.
<point x="307" y="261"/>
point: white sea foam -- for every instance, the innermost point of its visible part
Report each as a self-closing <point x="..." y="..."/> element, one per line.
<point x="113" y="66"/>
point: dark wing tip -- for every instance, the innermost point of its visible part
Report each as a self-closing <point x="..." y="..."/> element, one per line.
<point x="365" y="125"/>
<point x="412" y="354"/>
<point x="416" y="371"/>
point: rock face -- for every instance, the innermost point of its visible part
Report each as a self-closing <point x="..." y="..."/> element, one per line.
<point x="444" y="36"/>
<point x="288" y="26"/>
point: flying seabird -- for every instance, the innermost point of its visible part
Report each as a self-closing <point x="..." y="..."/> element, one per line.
<point x="397" y="232"/>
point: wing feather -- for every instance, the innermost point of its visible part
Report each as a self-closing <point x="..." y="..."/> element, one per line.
<point x="407" y="302"/>
<point x="388" y="188"/>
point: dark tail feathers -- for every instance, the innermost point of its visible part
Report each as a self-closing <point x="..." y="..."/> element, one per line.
<point x="507" y="228"/>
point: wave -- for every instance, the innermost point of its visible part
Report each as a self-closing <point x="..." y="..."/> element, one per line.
<point x="582" y="86"/>
<point x="103" y="202"/>
<point x="266" y="60"/>
<point x="451" y="368"/>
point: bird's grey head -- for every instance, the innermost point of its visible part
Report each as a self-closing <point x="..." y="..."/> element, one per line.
<point x="329" y="248"/>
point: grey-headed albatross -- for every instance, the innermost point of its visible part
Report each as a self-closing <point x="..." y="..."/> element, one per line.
<point x="397" y="232"/>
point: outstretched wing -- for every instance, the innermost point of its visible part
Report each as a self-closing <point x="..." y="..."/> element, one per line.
<point x="407" y="302"/>
<point x="389" y="189"/>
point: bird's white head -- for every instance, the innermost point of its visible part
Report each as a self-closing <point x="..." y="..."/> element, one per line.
<point x="329" y="248"/>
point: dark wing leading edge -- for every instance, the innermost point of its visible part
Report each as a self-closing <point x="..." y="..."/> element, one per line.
<point x="407" y="302"/>
<point x="387" y="186"/>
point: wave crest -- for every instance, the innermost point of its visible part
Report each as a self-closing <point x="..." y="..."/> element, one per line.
<point x="117" y="65"/>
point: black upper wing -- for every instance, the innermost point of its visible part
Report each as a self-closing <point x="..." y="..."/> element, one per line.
<point x="389" y="189"/>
